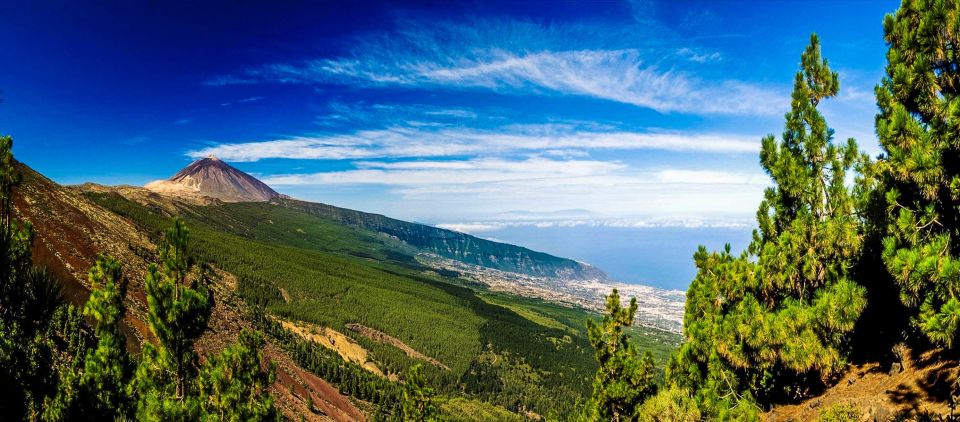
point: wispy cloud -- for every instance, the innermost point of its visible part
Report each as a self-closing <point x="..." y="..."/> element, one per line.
<point x="542" y="184"/>
<point x="699" y="56"/>
<point x="376" y="115"/>
<point x="476" y="171"/>
<point x="412" y="142"/>
<point x="242" y="101"/>
<point x="526" y="58"/>
<point x="481" y="227"/>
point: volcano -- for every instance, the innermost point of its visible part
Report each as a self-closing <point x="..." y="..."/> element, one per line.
<point x="213" y="178"/>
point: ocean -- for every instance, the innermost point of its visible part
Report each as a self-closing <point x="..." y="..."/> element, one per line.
<point x="654" y="256"/>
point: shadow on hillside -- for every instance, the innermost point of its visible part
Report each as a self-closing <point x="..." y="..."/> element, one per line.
<point x="936" y="384"/>
<point x="905" y="394"/>
<point x="882" y="324"/>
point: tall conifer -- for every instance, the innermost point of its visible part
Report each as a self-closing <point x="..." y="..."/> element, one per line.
<point x="233" y="384"/>
<point x="772" y="322"/>
<point x="416" y="401"/>
<point x="107" y="368"/>
<point x="919" y="129"/>
<point x="625" y="378"/>
<point x="179" y="305"/>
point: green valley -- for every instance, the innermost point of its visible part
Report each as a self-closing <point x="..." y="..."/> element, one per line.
<point x="519" y="353"/>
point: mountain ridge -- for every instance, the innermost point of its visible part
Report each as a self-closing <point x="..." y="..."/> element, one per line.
<point x="70" y="231"/>
<point x="211" y="178"/>
<point x="455" y="245"/>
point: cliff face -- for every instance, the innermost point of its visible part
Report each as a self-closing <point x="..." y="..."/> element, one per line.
<point x="455" y="245"/>
<point x="213" y="178"/>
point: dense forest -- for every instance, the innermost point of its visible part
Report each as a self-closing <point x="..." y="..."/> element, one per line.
<point x="454" y="245"/>
<point x="852" y="258"/>
<point x="491" y="352"/>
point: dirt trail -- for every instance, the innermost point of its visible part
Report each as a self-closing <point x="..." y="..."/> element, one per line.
<point x="923" y="385"/>
<point x="382" y="337"/>
<point x="334" y="340"/>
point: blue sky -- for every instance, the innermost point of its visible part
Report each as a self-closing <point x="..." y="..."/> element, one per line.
<point x="625" y="113"/>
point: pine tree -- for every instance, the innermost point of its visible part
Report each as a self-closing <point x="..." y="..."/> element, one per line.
<point x="417" y="402"/>
<point x="15" y="239"/>
<point x="669" y="405"/>
<point x="41" y="338"/>
<point x="624" y="378"/>
<point x="179" y="305"/>
<point x="772" y="322"/>
<point x="69" y="342"/>
<point x="809" y="234"/>
<point x="107" y="368"/>
<point x="233" y="385"/>
<point x="918" y="127"/>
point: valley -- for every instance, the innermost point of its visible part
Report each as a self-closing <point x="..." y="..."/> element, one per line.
<point x="370" y="299"/>
<point x="659" y="309"/>
<point x="422" y="211"/>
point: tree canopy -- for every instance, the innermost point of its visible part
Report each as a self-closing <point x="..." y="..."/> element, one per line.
<point x="918" y="128"/>
<point x="625" y="377"/>
<point x="773" y="321"/>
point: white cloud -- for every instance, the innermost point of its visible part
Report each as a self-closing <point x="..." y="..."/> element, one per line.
<point x="709" y="177"/>
<point x="699" y="56"/>
<point x="480" y="227"/>
<point x="527" y="58"/>
<point x="471" y="228"/>
<point x="375" y="115"/>
<point x="598" y="188"/>
<point x="555" y="140"/>
<point x="470" y="172"/>
<point x="452" y="112"/>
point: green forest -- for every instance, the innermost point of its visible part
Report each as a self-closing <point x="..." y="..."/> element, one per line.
<point x="511" y="351"/>
<point x="851" y="256"/>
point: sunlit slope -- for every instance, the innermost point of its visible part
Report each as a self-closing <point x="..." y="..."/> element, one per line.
<point x="454" y="245"/>
<point x="507" y="350"/>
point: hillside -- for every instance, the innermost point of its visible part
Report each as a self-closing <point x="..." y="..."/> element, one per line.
<point x="919" y="386"/>
<point x="486" y="351"/>
<point x="70" y="231"/>
<point x="305" y="268"/>
<point x="210" y="179"/>
<point x="455" y="245"/>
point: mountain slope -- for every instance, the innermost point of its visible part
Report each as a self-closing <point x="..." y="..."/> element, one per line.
<point x="70" y="231"/>
<point x="455" y="245"/>
<point x="919" y="388"/>
<point x="522" y="354"/>
<point x="211" y="177"/>
<point x="492" y="352"/>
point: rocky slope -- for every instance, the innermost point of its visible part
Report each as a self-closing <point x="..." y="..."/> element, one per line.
<point x="70" y="231"/>
<point x="212" y="178"/>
